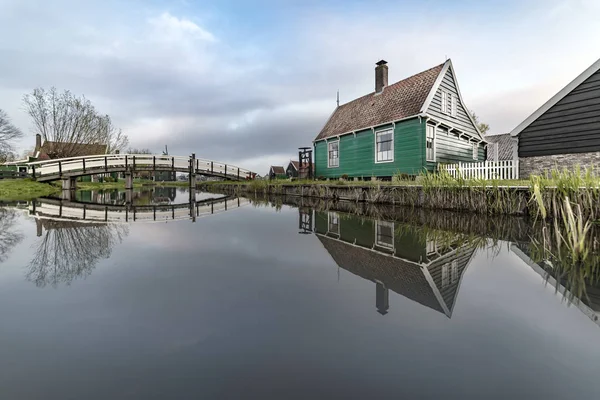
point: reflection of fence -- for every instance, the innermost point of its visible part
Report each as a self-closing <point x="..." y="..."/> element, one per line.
<point x="60" y="210"/>
<point x="508" y="169"/>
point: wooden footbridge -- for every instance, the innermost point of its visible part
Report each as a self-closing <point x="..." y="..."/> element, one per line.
<point x="69" y="169"/>
<point x="60" y="210"/>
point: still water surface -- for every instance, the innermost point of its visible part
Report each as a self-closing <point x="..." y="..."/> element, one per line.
<point x="262" y="301"/>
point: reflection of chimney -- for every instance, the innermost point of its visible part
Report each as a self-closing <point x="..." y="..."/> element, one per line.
<point x="381" y="76"/>
<point x="382" y="299"/>
<point x="38" y="142"/>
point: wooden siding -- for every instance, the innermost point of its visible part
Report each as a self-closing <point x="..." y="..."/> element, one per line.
<point x="462" y="256"/>
<point x="291" y="171"/>
<point x="357" y="153"/>
<point x="570" y="126"/>
<point x="449" y="149"/>
<point x="462" y="120"/>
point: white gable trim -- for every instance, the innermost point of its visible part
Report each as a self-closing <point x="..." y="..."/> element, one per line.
<point x="557" y="97"/>
<point x="436" y="85"/>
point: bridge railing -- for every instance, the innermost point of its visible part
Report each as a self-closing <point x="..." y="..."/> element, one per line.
<point x="134" y="162"/>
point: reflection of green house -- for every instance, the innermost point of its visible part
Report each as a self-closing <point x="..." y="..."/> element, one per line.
<point x="396" y="259"/>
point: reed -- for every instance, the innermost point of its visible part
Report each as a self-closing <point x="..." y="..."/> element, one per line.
<point x="549" y="192"/>
<point x="569" y="249"/>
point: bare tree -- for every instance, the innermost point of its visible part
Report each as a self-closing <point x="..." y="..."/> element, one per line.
<point x="114" y="138"/>
<point x="69" y="250"/>
<point x="68" y="121"/>
<point x="8" y="133"/>
<point x="8" y="237"/>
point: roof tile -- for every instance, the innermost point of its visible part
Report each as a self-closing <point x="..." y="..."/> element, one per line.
<point x="399" y="100"/>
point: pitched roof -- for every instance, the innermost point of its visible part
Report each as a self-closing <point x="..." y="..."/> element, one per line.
<point x="399" y="100"/>
<point x="49" y="149"/>
<point x="295" y="164"/>
<point x="505" y="145"/>
<point x="592" y="69"/>
<point x="277" y="169"/>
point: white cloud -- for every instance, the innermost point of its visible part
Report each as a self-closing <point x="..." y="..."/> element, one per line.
<point x="173" y="29"/>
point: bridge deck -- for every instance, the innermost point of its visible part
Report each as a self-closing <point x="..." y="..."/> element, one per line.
<point x="51" y="170"/>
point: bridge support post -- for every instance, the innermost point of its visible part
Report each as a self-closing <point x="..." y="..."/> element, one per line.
<point x="192" y="173"/>
<point x="69" y="183"/>
<point x="67" y="195"/>
<point x="128" y="180"/>
<point x="128" y="196"/>
<point x="38" y="227"/>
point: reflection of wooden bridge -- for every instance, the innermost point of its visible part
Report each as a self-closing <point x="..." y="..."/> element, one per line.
<point x="68" y="169"/>
<point x="93" y="212"/>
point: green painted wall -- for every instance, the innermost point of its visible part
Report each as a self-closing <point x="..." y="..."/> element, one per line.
<point x="362" y="232"/>
<point x="357" y="154"/>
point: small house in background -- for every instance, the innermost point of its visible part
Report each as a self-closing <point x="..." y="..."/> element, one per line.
<point x="501" y="147"/>
<point x="51" y="150"/>
<point x="292" y="169"/>
<point x="565" y="131"/>
<point x="276" y="172"/>
<point x="407" y="127"/>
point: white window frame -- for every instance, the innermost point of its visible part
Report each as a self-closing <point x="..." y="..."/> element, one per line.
<point x="379" y="243"/>
<point x="433" y="144"/>
<point x="444" y="102"/>
<point x="336" y="217"/>
<point x="377" y="133"/>
<point x="475" y="148"/>
<point x="329" y="143"/>
<point x="445" y="275"/>
<point x="453" y="102"/>
<point x="454" y="272"/>
<point x="448" y="108"/>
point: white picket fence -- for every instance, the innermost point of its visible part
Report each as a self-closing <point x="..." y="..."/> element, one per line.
<point x="483" y="170"/>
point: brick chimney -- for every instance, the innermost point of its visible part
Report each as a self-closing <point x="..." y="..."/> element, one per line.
<point x="38" y="142"/>
<point x="381" y="76"/>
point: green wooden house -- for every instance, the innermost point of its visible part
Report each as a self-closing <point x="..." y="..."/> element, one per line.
<point x="407" y="127"/>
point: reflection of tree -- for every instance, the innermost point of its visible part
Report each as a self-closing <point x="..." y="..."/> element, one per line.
<point x="8" y="238"/>
<point x="69" y="250"/>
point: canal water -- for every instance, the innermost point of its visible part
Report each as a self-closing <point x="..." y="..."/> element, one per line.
<point x="264" y="300"/>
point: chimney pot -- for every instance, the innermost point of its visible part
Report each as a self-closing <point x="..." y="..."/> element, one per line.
<point x="381" y="76"/>
<point x="38" y="141"/>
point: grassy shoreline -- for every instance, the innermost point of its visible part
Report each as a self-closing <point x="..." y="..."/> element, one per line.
<point x="24" y="189"/>
<point x="28" y="189"/>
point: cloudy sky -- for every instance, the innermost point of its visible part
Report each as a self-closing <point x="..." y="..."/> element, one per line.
<point x="249" y="82"/>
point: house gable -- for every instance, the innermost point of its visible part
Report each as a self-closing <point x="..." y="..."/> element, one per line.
<point x="462" y="119"/>
<point x="568" y="123"/>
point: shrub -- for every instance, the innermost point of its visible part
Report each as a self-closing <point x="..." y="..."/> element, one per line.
<point x="344" y="177"/>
